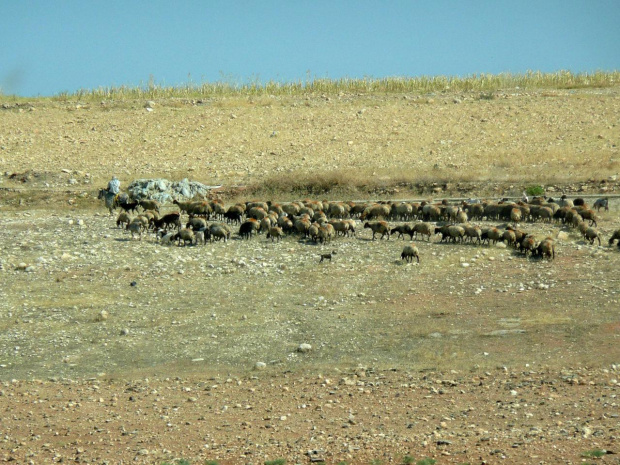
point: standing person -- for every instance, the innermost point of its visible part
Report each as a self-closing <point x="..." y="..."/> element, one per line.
<point x="114" y="186"/>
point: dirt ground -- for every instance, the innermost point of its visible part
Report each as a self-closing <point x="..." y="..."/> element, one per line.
<point x="115" y="350"/>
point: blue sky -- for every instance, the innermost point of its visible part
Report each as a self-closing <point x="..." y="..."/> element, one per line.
<point x="52" y="46"/>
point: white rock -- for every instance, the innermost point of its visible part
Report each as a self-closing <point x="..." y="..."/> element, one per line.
<point x="304" y="348"/>
<point x="260" y="365"/>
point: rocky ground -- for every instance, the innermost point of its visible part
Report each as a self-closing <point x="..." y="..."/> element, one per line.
<point x="476" y="355"/>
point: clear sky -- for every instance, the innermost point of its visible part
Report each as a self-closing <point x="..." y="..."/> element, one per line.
<point x="51" y="46"/>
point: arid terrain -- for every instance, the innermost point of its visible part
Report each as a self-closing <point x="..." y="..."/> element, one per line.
<point x="115" y="350"/>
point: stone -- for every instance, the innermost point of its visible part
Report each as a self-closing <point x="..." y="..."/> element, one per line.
<point x="260" y="365"/>
<point x="303" y="348"/>
<point x="166" y="191"/>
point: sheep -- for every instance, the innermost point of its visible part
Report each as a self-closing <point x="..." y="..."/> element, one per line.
<point x="565" y="202"/>
<point x="258" y="213"/>
<point x="183" y="206"/>
<point x="326" y="233"/>
<point x="327" y="256"/>
<point x="291" y="209"/>
<point x="184" y="235"/>
<point x="431" y="212"/>
<point x="591" y="234"/>
<point x="123" y="218"/>
<point x="168" y="220"/>
<point x="357" y="209"/>
<point x="473" y="232"/>
<point x="134" y="227"/>
<point x="544" y="213"/>
<point x="234" y="214"/>
<point x="218" y="231"/>
<point x="456" y="233"/>
<point x="528" y="244"/>
<point x="252" y="204"/>
<point x="425" y="229"/>
<point x="285" y="223"/>
<point x="410" y="251"/>
<point x="142" y="221"/>
<point x="588" y="214"/>
<point x="461" y="216"/>
<point x="196" y="224"/>
<point x="149" y="205"/>
<point x="515" y="215"/>
<point x="248" y="227"/>
<point x="379" y="227"/>
<point x="302" y="226"/>
<point x="337" y="210"/>
<point x="151" y="215"/>
<point x="402" y="229"/>
<point x="601" y="203"/>
<point x="615" y="236"/>
<point x="401" y="211"/>
<point x="519" y="235"/>
<point x="275" y="233"/>
<point x="376" y="211"/>
<point x="450" y="212"/>
<point x="583" y="227"/>
<point x="546" y="248"/>
<point x="475" y="211"/>
<point x="313" y="232"/>
<point x="509" y="237"/>
<point x="491" y="234"/>
<point x="341" y="227"/>
<point x="200" y="208"/>
<point x="128" y="206"/>
<point x="450" y="232"/>
<point x="165" y="237"/>
<point x="352" y="226"/>
<point x="562" y="214"/>
<point x="218" y="209"/>
<point x="265" y="224"/>
<point x="276" y="208"/>
<point x="579" y="202"/>
<point x="200" y="236"/>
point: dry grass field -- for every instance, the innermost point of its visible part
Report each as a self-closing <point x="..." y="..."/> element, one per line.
<point x="474" y="355"/>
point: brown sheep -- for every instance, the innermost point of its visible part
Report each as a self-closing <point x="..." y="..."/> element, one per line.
<point x="381" y="227"/>
<point x="425" y="229"/>
<point x="326" y="233"/>
<point x="546" y="248"/>
<point x="402" y="229"/>
<point x="410" y="251"/>
<point x="528" y="244"/>
<point x="184" y="235"/>
<point x="149" y="205"/>
<point x="275" y="233"/>
<point x="591" y="234"/>
<point x="615" y="236"/>
<point x="123" y="218"/>
<point x="473" y="232"/>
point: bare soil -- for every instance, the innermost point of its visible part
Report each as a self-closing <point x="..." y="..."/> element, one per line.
<point x="476" y="355"/>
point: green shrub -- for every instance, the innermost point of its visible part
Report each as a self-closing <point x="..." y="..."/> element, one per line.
<point x="535" y="190"/>
<point x="426" y="461"/>
<point x="275" y="462"/>
<point x="597" y="453"/>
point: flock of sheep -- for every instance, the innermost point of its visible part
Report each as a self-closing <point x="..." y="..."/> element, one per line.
<point x="196" y="222"/>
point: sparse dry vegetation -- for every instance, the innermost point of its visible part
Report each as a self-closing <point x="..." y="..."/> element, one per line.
<point x="405" y="357"/>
